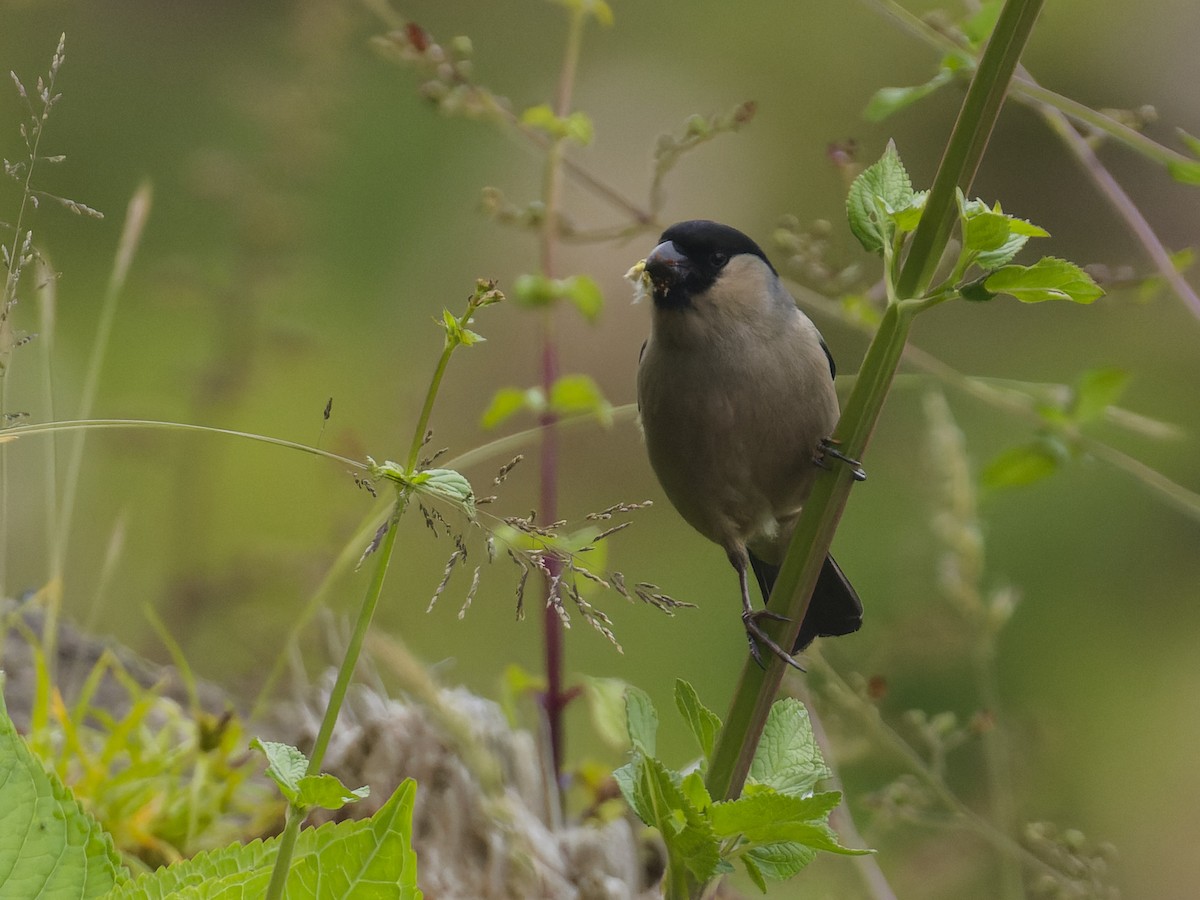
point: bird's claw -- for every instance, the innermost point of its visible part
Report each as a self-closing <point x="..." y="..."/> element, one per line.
<point x="829" y="448"/>
<point x="756" y="636"/>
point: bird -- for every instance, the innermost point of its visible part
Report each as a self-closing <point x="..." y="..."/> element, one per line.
<point x="735" y="391"/>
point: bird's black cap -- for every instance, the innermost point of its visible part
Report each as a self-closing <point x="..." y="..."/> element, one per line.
<point x="701" y="239"/>
<point x="689" y="258"/>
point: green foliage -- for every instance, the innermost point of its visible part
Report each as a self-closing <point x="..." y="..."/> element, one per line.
<point x="49" y="845"/>
<point x="774" y="829"/>
<point x="287" y="766"/>
<point x="877" y="196"/>
<point x="883" y="210"/>
<point x="1094" y="393"/>
<point x="354" y="859"/>
<point x="162" y="782"/>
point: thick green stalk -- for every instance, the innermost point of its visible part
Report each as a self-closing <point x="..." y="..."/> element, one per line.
<point x="968" y="140"/>
<point x="757" y="688"/>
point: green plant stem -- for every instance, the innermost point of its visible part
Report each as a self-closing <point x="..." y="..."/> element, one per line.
<point x="757" y="688"/>
<point x="337" y="696"/>
<point x="418" y="441"/>
<point x="968" y="140"/>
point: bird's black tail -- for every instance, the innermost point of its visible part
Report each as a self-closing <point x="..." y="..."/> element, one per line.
<point x="834" y="610"/>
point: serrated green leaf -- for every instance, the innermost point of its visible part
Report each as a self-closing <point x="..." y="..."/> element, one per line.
<point x="1026" y="228"/>
<point x="1095" y="391"/>
<point x="573" y="395"/>
<point x="1002" y="255"/>
<point x="1047" y="279"/>
<point x="703" y="722"/>
<point x="985" y="231"/>
<point x="1021" y="466"/>
<point x="883" y="187"/>
<point x="687" y="834"/>
<point x="907" y="218"/>
<point x="285" y="766"/>
<point x="780" y="861"/>
<point x="693" y="788"/>
<point x="755" y="873"/>
<point x="641" y="720"/>
<point x="326" y="791"/>
<point x="368" y="858"/>
<point x="889" y="100"/>
<point x="446" y="484"/>
<point x="755" y="816"/>
<point x="787" y="758"/>
<point x="49" y="845"/>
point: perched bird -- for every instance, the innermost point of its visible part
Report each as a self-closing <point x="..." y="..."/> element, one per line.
<point x="735" y="391"/>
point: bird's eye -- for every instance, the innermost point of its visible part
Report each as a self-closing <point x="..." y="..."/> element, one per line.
<point x="718" y="259"/>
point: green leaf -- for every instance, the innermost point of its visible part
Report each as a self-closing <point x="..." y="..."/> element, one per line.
<point x="787" y="758"/>
<point x="883" y="186"/>
<point x="573" y="395"/>
<point x="49" y="845"/>
<point x="907" y="218"/>
<point x="446" y="484"/>
<point x="508" y="401"/>
<point x="641" y="720"/>
<point x="1002" y="255"/>
<point x="1097" y="390"/>
<point x="606" y="703"/>
<point x="1021" y="466"/>
<point x="767" y="816"/>
<point x="889" y="100"/>
<point x="326" y="791"/>
<point x="366" y="858"/>
<point x="692" y="787"/>
<point x="755" y="873"/>
<point x="581" y="291"/>
<point x="1047" y="279"/>
<point x="690" y="840"/>
<point x="534" y="290"/>
<point x="703" y="722"/>
<point x="779" y="861"/>
<point x="285" y="766"/>
<point x="978" y="27"/>
<point x="585" y="294"/>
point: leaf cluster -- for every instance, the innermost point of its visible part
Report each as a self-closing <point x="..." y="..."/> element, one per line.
<point x="51" y="846"/>
<point x="774" y="829"/>
<point x="884" y="211"/>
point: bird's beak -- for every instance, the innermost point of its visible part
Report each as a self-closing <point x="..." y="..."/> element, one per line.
<point x="666" y="267"/>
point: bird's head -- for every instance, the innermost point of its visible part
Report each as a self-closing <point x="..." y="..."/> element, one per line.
<point x="692" y="258"/>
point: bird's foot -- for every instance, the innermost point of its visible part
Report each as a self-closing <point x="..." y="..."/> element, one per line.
<point x="757" y="636"/>
<point x="829" y="448"/>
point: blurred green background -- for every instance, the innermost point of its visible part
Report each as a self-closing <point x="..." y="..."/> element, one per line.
<point x="312" y="213"/>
